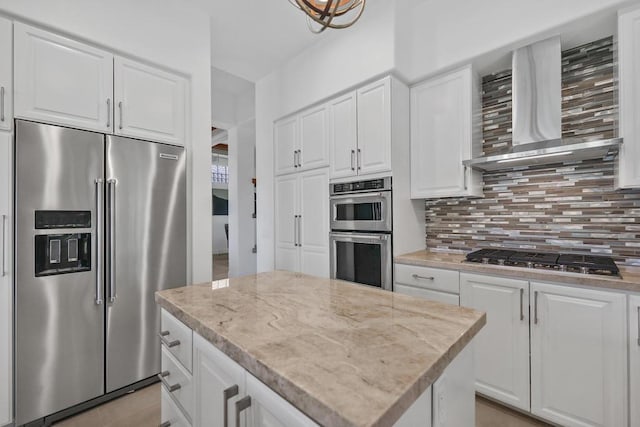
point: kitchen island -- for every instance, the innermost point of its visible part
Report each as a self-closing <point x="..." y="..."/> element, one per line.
<point x="341" y="354"/>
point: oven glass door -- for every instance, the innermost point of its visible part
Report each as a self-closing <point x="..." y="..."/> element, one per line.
<point x="365" y="211"/>
<point x="362" y="258"/>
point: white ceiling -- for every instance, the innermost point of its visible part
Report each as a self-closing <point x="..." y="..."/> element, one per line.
<point x="250" y="38"/>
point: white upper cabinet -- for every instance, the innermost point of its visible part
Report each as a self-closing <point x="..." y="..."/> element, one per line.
<point x="374" y="127"/>
<point x="343" y="136"/>
<point x="444" y="132"/>
<point x="301" y="141"/>
<point x="6" y="72"/>
<point x="61" y="81"/>
<point x="579" y="356"/>
<point x="634" y="357"/>
<point x="150" y="103"/>
<point x="629" y="93"/>
<point x="6" y="280"/>
<point x="501" y="349"/>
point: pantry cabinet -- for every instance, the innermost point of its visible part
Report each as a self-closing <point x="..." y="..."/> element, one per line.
<point x="301" y="141"/>
<point x="629" y="97"/>
<point x="634" y="358"/>
<point x="150" y="103"/>
<point x="61" y="81"/>
<point x="501" y="350"/>
<point x="578" y="356"/>
<point x="6" y="74"/>
<point x="343" y="136"/>
<point x="445" y="130"/>
<point x="374" y="127"/>
<point x="302" y="222"/>
<point x="6" y="279"/>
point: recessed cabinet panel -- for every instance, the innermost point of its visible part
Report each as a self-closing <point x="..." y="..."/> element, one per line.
<point x="578" y="356"/>
<point x="314" y="223"/>
<point x="314" y="132"/>
<point x="343" y="136"/>
<point x="286" y="232"/>
<point x="285" y="145"/>
<point x="6" y="74"/>
<point x="61" y="81"/>
<point x="150" y="103"/>
<point x="374" y="127"/>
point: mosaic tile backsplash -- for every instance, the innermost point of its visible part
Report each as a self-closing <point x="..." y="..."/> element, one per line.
<point x="569" y="207"/>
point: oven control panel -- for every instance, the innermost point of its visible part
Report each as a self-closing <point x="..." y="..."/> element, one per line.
<point x="380" y="184"/>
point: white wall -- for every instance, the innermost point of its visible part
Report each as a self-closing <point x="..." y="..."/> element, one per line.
<point x="164" y="32"/>
<point x="242" y="260"/>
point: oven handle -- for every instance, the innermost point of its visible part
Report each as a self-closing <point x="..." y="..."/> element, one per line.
<point x="359" y="195"/>
<point x="355" y="237"/>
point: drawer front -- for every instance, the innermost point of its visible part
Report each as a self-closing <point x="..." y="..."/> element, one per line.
<point x="177" y="338"/>
<point x="177" y="382"/>
<point x="170" y="412"/>
<point x="427" y="294"/>
<point x="434" y="279"/>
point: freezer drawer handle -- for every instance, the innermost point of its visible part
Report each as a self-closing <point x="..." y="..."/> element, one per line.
<point x="169" y="344"/>
<point x="417" y="276"/>
<point x="241" y="405"/>
<point x="170" y="388"/>
<point x="228" y="394"/>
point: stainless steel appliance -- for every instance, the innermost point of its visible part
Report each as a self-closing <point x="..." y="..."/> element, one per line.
<point x="361" y="238"/>
<point x="573" y="263"/>
<point x="100" y="226"/>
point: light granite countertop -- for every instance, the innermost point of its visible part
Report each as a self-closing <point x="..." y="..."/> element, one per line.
<point x="630" y="280"/>
<point x="344" y="354"/>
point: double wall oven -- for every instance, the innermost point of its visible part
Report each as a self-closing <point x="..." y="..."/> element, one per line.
<point x="361" y="232"/>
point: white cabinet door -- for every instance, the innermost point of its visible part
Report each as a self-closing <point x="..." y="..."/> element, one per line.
<point x="314" y="223"/>
<point x="285" y="139"/>
<point x="150" y="103"/>
<point x="634" y="358"/>
<point x="629" y="93"/>
<point x="314" y="133"/>
<point x="170" y="412"/>
<point x="578" y="356"/>
<point x="374" y="127"/>
<point x="268" y="409"/>
<point x="501" y="349"/>
<point x="343" y="136"/>
<point x="442" y="136"/>
<point x="286" y="222"/>
<point x="6" y="73"/>
<point x="454" y="398"/>
<point x="213" y="373"/>
<point x="6" y="275"/>
<point x="61" y="81"/>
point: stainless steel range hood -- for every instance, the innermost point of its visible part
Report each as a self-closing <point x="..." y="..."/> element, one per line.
<point x="537" y="128"/>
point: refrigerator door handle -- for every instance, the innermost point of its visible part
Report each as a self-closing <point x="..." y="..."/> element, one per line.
<point x="99" y="230"/>
<point x="111" y="239"/>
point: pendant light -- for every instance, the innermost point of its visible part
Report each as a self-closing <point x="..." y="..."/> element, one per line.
<point x="323" y="13"/>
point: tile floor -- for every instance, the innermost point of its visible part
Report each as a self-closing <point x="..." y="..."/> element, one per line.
<point x="142" y="409"/>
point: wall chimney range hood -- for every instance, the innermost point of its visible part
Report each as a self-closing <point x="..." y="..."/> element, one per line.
<point x="537" y="128"/>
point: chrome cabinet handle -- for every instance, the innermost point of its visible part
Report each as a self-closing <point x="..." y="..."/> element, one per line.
<point x="165" y="424"/>
<point x="299" y="158"/>
<point x="417" y="276"/>
<point x="99" y="226"/>
<point x="535" y="308"/>
<point x="228" y="394"/>
<point x="108" y="112"/>
<point x="353" y="155"/>
<point x="111" y="239"/>
<point x="521" y="304"/>
<point x="465" y="178"/>
<point x="300" y="230"/>
<point x="295" y="231"/>
<point x="241" y="405"/>
<point x="2" y="104"/>
<point x="120" y="108"/>
<point x="170" y="387"/>
<point x="295" y="158"/>
<point x="4" y="245"/>
<point x="169" y="344"/>
<point x="638" y="325"/>
<point x="359" y="159"/>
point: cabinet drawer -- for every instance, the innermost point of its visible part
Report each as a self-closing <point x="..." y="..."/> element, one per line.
<point x="428" y="278"/>
<point x="177" y="338"/>
<point x="170" y="412"/>
<point x="175" y="376"/>
<point x="438" y="296"/>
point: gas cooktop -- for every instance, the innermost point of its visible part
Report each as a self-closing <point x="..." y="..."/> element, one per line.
<point x="585" y="264"/>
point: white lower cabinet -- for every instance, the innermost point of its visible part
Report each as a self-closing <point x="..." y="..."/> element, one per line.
<point x="578" y="356"/>
<point x="171" y="414"/>
<point x="502" y="346"/>
<point x="430" y="283"/>
<point x="6" y="280"/>
<point x="634" y="358"/>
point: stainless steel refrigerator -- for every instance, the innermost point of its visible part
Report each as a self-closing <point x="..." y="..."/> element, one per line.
<point x="100" y="226"/>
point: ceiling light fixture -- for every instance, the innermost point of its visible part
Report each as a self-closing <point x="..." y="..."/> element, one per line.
<point x="323" y="12"/>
